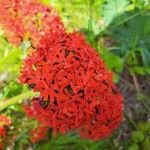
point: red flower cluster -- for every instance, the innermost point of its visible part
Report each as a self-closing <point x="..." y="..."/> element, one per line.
<point x="4" y="122"/>
<point x="38" y="133"/>
<point x="27" y="19"/>
<point x="76" y="90"/>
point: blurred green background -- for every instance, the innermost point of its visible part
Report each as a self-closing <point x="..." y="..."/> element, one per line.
<point x="120" y="32"/>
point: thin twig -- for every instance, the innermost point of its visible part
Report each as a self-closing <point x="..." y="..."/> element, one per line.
<point x="136" y="83"/>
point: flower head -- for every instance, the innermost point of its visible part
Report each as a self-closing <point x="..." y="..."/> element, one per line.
<point x="76" y="89"/>
<point x="4" y="122"/>
<point x="27" y="20"/>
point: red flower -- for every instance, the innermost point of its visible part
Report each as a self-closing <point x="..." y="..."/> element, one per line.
<point x="4" y="122"/>
<point x="28" y="19"/>
<point x="38" y="133"/>
<point x="1" y="145"/>
<point x="2" y="132"/>
<point x="76" y="89"/>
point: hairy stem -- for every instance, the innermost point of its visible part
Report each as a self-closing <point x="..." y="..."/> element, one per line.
<point x="18" y="99"/>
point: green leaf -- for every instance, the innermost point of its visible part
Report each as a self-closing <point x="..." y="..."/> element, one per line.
<point x="131" y="33"/>
<point x="141" y="4"/>
<point x="145" y="56"/>
<point x="144" y="127"/>
<point x="134" y="147"/>
<point x="11" y="61"/>
<point x="14" y="89"/>
<point x="10" y="57"/>
<point x="137" y="136"/>
<point x="116" y="77"/>
<point x="112" y="9"/>
<point x="146" y="144"/>
<point x="140" y="70"/>
<point x="113" y="61"/>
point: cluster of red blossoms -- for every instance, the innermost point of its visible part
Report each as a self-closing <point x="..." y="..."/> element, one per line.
<point x="76" y="90"/>
<point x="27" y="20"/>
<point x="38" y="133"/>
<point x="4" y="122"/>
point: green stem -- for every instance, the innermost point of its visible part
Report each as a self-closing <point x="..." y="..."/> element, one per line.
<point x="18" y="99"/>
<point x="131" y="121"/>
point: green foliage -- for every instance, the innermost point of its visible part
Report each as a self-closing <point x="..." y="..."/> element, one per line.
<point x="127" y="24"/>
<point x="10" y="57"/>
<point x="71" y="141"/>
<point x="141" y="4"/>
<point x="113" y="9"/>
<point x="12" y="89"/>
<point x="132" y="37"/>
<point x="144" y="127"/>
<point x="134" y="147"/>
<point x="114" y="63"/>
<point x="72" y="16"/>
<point x="137" y="136"/>
<point x="47" y="2"/>
<point x="140" y="138"/>
<point x="146" y="144"/>
<point x="131" y="32"/>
